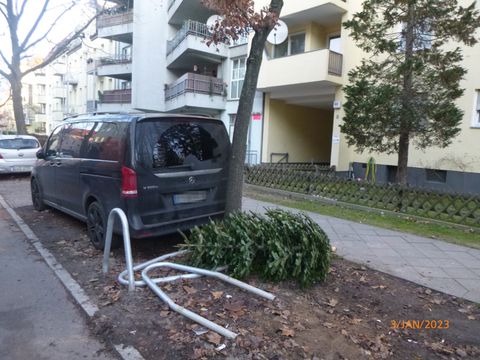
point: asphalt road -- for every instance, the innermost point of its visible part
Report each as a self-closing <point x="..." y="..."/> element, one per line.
<point x="38" y="318"/>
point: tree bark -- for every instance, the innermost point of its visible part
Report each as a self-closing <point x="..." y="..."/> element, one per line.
<point x="244" y="113"/>
<point x="242" y="121"/>
<point x="404" y="139"/>
<point x="18" y="107"/>
<point x="402" y="169"/>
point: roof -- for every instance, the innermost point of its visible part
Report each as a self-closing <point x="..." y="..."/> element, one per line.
<point x="124" y="116"/>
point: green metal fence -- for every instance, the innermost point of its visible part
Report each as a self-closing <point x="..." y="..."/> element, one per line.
<point x="320" y="181"/>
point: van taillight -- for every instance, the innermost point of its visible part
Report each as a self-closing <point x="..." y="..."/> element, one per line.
<point x="129" y="183"/>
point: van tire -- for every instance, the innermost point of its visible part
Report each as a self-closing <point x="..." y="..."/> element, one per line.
<point x="97" y="227"/>
<point x="37" y="197"/>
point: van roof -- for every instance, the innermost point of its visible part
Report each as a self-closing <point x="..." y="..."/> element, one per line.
<point x="127" y="117"/>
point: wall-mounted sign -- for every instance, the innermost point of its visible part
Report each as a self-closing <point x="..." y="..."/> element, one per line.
<point x="256" y="116"/>
<point x="335" y="139"/>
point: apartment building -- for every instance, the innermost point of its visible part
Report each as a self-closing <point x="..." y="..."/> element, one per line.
<point x="303" y="107"/>
<point x="162" y="63"/>
<point x="66" y="87"/>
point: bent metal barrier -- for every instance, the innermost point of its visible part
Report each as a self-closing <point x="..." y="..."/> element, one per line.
<point x="159" y="262"/>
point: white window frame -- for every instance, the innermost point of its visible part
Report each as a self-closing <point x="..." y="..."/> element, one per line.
<point x="476" y="109"/>
<point x="237" y="76"/>
<point x="289" y="45"/>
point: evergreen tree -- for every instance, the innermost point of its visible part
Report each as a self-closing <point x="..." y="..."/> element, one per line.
<point x="404" y="91"/>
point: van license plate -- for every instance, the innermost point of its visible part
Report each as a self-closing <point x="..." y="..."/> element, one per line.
<point x="189" y="197"/>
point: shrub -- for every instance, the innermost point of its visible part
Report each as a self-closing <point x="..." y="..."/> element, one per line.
<point x="280" y="245"/>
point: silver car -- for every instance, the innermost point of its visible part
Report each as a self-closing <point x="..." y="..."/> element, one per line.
<point x="17" y="153"/>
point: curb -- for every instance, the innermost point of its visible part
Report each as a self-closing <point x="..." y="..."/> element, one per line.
<point x="72" y="286"/>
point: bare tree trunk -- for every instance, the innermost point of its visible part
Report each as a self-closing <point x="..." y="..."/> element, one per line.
<point x="18" y="106"/>
<point x="242" y="121"/>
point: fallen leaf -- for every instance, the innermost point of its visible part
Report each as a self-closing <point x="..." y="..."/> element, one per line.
<point x="164" y="313"/>
<point x="428" y="291"/>
<point x="332" y="302"/>
<point x="471" y="317"/>
<point x="189" y="290"/>
<point x="217" y="294"/>
<point x="214" y="338"/>
<point x="234" y="306"/>
<point x="286" y="331"/>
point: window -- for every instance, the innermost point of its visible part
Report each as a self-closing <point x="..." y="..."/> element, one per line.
<point x="106" y="142"/>
<point x="174" y="145"/>
<point x="476" y="112"/>
<point x="231" y="125"/>
<point x="73" y="139"/>
<point x="438" y="176"/>
<point x="238" y="74"/>
<point x="335" y="43"/>
<point x="295" y="44"/>
<point x="19" y="144"/>
<point x="53" y="144"/>
<point x="41" y="89"/>
<point x="423" y="36"/>
<point x="42" y="108"/>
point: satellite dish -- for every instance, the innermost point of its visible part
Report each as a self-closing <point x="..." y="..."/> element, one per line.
<point x="212" y="21"/>
<point x="279" y="33"/>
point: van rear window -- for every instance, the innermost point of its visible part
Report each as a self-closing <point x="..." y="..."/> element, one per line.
<point x="167" y="143"/>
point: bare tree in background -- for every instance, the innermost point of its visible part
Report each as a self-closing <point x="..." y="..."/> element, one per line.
<point x="239" y="19"/>
<point x="21" y="47"/>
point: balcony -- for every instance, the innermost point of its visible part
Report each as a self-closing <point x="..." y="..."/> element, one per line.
<point x="323" y="12"/>
<point x="179" y="10"/>
<point x="115" y="67"/>
<point x="115" y="100"/>
<point x="189" y="46"/>
<point x="59" y="92"/>
<point x="308" y="79"/>
<point x="116" y="24"/>
<point x="205" y="94"/>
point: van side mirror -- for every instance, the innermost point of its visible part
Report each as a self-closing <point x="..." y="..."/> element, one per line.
<point x="40" y="154"/>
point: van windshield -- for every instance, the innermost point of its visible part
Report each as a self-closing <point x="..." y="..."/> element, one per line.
<point x="19" y="144"/>
<point x="169" y="144"/>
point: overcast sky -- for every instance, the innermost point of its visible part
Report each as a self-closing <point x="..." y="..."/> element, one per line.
<point x="74" y="18"/>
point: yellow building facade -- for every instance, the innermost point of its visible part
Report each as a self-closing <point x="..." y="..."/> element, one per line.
<point x="303" y="78"/>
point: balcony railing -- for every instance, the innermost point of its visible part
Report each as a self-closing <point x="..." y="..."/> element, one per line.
<point x="115" y="16"/>
<point x="189" y="27"/>
<point x="123" y="96"/>
<point x="195" y="83"/>
<point x="122" y="59"/>
<point x="335" y="63"/>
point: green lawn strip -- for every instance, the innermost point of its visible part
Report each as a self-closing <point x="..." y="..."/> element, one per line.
<point x="410" y="225"/>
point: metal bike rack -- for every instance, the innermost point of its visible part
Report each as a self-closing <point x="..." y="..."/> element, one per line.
<point x="190" y="314"/>
<point x="159" y="262"/>
<point x="126" y="244"/>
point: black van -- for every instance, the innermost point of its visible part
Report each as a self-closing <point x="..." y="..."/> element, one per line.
<point x="167" y="172"/>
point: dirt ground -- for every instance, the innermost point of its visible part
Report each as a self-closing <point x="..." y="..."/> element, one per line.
<point x="350" y="316"/>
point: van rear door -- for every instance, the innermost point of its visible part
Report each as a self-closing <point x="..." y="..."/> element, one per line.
<point x="182" y="167"/>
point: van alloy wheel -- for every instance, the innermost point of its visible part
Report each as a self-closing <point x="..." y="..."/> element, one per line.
<point x="96" y="225"/>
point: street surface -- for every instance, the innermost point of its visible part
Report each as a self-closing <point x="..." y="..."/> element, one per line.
<point x="38" y="319"/>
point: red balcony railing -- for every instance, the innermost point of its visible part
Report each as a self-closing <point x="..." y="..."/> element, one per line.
<point x="123" y="96"/>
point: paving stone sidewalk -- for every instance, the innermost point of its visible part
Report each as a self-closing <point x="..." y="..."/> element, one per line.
<point x="439" y="265"/>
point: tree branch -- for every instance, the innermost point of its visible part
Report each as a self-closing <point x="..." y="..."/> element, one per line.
<point x="20" y="13"/>
<point x="5" y="75"/>
<point x="4" y="14"/>
<point x="54" y="23"/>
<point x="60" y="48"/>
<point x="2" y="55"/>
<point x="35" y="24"/>
<point x="8" y="99"/>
